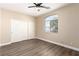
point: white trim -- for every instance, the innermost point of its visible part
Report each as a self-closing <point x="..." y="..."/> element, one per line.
<point x="3" y="44"/>
<point x="63" y="45"/>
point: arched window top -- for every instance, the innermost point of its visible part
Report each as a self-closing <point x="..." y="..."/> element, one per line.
<point x="54" y="17"/>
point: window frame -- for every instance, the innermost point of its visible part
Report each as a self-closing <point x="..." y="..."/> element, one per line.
<point x="49" y="21"/>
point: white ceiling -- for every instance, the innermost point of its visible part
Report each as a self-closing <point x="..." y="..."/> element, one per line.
<point x="23" y="8"/>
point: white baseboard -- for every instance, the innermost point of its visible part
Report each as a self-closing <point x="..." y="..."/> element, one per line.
<point x="70" y="47"/>
<point x="5" y="44"/>
<point x="11" y="42"/>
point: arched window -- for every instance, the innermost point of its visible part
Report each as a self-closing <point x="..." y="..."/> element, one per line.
<point x="51" y="23"/>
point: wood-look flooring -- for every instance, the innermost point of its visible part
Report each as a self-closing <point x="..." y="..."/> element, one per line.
<point x="35" y="47"/>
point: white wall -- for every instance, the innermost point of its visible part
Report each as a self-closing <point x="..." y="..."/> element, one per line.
<point x="7" y="16"/>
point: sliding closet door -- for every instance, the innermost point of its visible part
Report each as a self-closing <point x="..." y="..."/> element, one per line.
<point x="19" y="30"/>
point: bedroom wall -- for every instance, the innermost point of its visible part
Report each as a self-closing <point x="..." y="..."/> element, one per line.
<point x="0" y="25"/>
<point x="68" y="26"/>
<point x="6" y="17"/>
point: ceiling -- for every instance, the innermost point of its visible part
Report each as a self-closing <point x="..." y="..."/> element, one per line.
<point x="23" y="8"/>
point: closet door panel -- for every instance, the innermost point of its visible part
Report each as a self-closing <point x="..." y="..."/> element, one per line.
<point x="18" y="30"/>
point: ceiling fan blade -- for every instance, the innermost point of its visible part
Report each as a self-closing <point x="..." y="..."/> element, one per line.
<point x="37" y="4"/>
<point x="45" y="7"/>
<point x="40" y="4"/>
<point x="31" y="6"/>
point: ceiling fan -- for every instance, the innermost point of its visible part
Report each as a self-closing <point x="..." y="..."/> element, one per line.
<point x="38" y="5"/>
